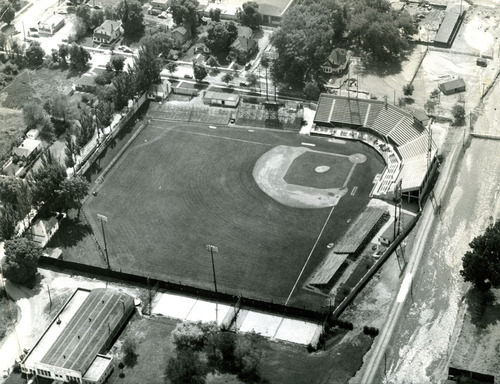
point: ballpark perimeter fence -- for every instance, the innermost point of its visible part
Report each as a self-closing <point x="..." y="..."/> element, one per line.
<point x="233" y="300"/>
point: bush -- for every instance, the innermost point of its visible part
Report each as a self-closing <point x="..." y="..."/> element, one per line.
<point x="370" y="331"/>
<point x="458" y="112"/>
<point x="121" y="365"/>
<point x="121" y="375"/>
<point x="130" y="353"/>
<point x="408" y="89"/>
<point x="310" y="348"/>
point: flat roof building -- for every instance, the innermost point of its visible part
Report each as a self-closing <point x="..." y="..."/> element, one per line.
<point x="222" y="99"/>
<point x="71" y="349"/>
<point x="448" y="29"/>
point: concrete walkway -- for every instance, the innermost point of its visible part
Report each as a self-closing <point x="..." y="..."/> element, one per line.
<point x="271" y="326"/>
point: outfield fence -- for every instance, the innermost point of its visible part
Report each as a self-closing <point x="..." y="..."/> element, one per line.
<point x="236" y="301"/>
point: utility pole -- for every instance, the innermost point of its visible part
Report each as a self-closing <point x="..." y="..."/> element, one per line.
<point x="104" y="219"/>
<point x="212" y="249"/>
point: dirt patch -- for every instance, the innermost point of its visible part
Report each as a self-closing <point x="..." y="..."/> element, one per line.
<point x="269" y="173"/>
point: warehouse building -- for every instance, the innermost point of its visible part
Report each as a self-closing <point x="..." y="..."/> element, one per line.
<point x="72" y="349"/>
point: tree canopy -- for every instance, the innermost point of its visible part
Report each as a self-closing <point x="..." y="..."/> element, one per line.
<point x="20" y="261"/>
<point x="311" y="29"/>
<point x="200" y="72"/>
<point x="185" y="12"/>
<point x="250" y="15"/>
<point x="131" y="15"/>
<point x="34" y="54"/>
<point x="220" y="36"/>
<point x="481" y="265"/>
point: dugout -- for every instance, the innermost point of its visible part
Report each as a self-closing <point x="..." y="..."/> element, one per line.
<point x="221" y="99"/>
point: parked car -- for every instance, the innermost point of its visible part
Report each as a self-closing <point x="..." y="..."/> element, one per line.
<point x="188" y="76"/>
<point x="243" y="84"/>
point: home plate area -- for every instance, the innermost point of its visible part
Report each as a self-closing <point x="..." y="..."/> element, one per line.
<point x="273" y="327"/>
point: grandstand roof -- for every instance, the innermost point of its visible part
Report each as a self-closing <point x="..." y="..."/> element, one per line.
<point x="358" y="230"/>
<point x="88" y="330"/>
<point x="328" y="268"/>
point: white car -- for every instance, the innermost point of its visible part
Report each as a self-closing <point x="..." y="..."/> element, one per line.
<point x="163" y="15"/>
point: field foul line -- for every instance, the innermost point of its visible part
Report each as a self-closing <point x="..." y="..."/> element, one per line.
<point x="308" y="257"/>
<point x="349" y="175"/>
<point x="223" y="137"/>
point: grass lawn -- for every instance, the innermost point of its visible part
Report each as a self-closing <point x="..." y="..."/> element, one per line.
<point x="11" y="130"/>
<point x="179" y="187"/>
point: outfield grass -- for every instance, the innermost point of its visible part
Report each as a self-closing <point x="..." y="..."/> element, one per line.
<point x="179" y="187"/>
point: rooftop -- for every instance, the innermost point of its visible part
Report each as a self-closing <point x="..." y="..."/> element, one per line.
<point x="445" y="31"/>
<point x="97" y="368"/>
<point x="221" y="95"/>
<point x="88" y="330"/>
<point x="108" y="27"/>
<point x="452" y="84"/>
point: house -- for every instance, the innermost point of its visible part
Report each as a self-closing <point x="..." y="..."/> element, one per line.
<point x="452" y="86"/>
<point x="242" y="48"/>
<point x="85" y="84"/>
<point x="162" y="4"/>
<point x="201" y="48"/>
<point x="159" y="91"/>
<point x="337" y="62"/>
<point x="42" y="231"/>
<point x="32" y="134"/>
<point x="51" y="25"/>
<point x="28" y="148"/>
<point x="221" y="99"/>
<point x="107" y="32"/>
<point x="244" y="32"/>
<point x="180" y="35"/>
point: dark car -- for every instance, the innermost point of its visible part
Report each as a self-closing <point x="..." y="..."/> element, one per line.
<point x="243" y="84"/>
<point x="188" y="76"/>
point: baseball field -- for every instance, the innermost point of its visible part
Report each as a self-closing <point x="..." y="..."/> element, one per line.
<point x="271" y="201"/>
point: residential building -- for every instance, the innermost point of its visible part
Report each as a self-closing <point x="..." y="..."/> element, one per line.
<point x="32" y="134"/>
<point x="180" y="35"/>
<point x="42" y="230"/>
<point x="337" y="62"/>
<point x="160" y="91"/>
<point x="162" y="4"/>
<point x="28" y="148"/>
<point x="107" y="32"/>
<point x="72" y="348"/>
<point x="242" y="48"/>
<point x="85" y="83"/>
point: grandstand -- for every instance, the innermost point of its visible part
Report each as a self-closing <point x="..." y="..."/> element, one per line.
<point x="398" y="135"/>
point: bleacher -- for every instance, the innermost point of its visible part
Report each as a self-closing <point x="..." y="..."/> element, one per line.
<point x="386" y="120"/>
<point x="415" y="147"/>
<point x="330" y="266"/>
<point x="325" y="105"/>
<point x="406" y="130"/>
<point x="366" y="224"/>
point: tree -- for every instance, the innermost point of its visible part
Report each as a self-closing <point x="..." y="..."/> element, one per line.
<point x="123" y="86"/>
<point x="159" y="42"/>
<point x="185" y="12"/>
<point x="79" y="57"/>
<point x="71" y="193"/>
<point x="171" y="66"/>
<point x="104" y="113"/>
<point x="63" y="54"/>
<point x="214" y="14"/>
<point x="34" y="54"/>
<point x="87" y="127"/>
<point x="220" y="36"/>
<point x="96" y="18"/>
<point x="311" y="90"/>
<point x="430" y="106"/>
<point x="147" y="68"/>
<point x="129" y="350"/>
<point x="8" y="222"/>
<point x="59" y="107"/>
<point x="247" y="356"/>
<point x="20" y="261"/>
<point x="115" y="64"/>
<point x="252" y="79"/>
<point x="189" y="336"/>
<point x="46" y="181"/>
<point x="15" y="193"/>
<point x="228" y="77"/>
<point x="8" y="13"/>
<point x="186" y="368"/>
<point x="250" y="15"/>
<point x="71" y="151"/>
<point x="481" y="265"/>
<point x="435" y="94"/>
<point x="458" y="113"/>
<point x="408" y="89"/>
<point x="36" y="117"/>
<point x="200" y="72"/>
<point x="131" y="15"/>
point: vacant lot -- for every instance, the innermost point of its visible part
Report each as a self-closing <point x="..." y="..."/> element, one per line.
<point x="281" y="362"/>
<point x="11" y="130"/>
<point x="179" y="187"/>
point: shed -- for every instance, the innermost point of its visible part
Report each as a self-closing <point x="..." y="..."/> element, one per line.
<point x="452" y="86"/>
<point x="27" y="148"/>
<point x="220" y="98"/>
<point x="163" y="4"/>
<point x="32" y="134"/>
<point x="159" y="91"/>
